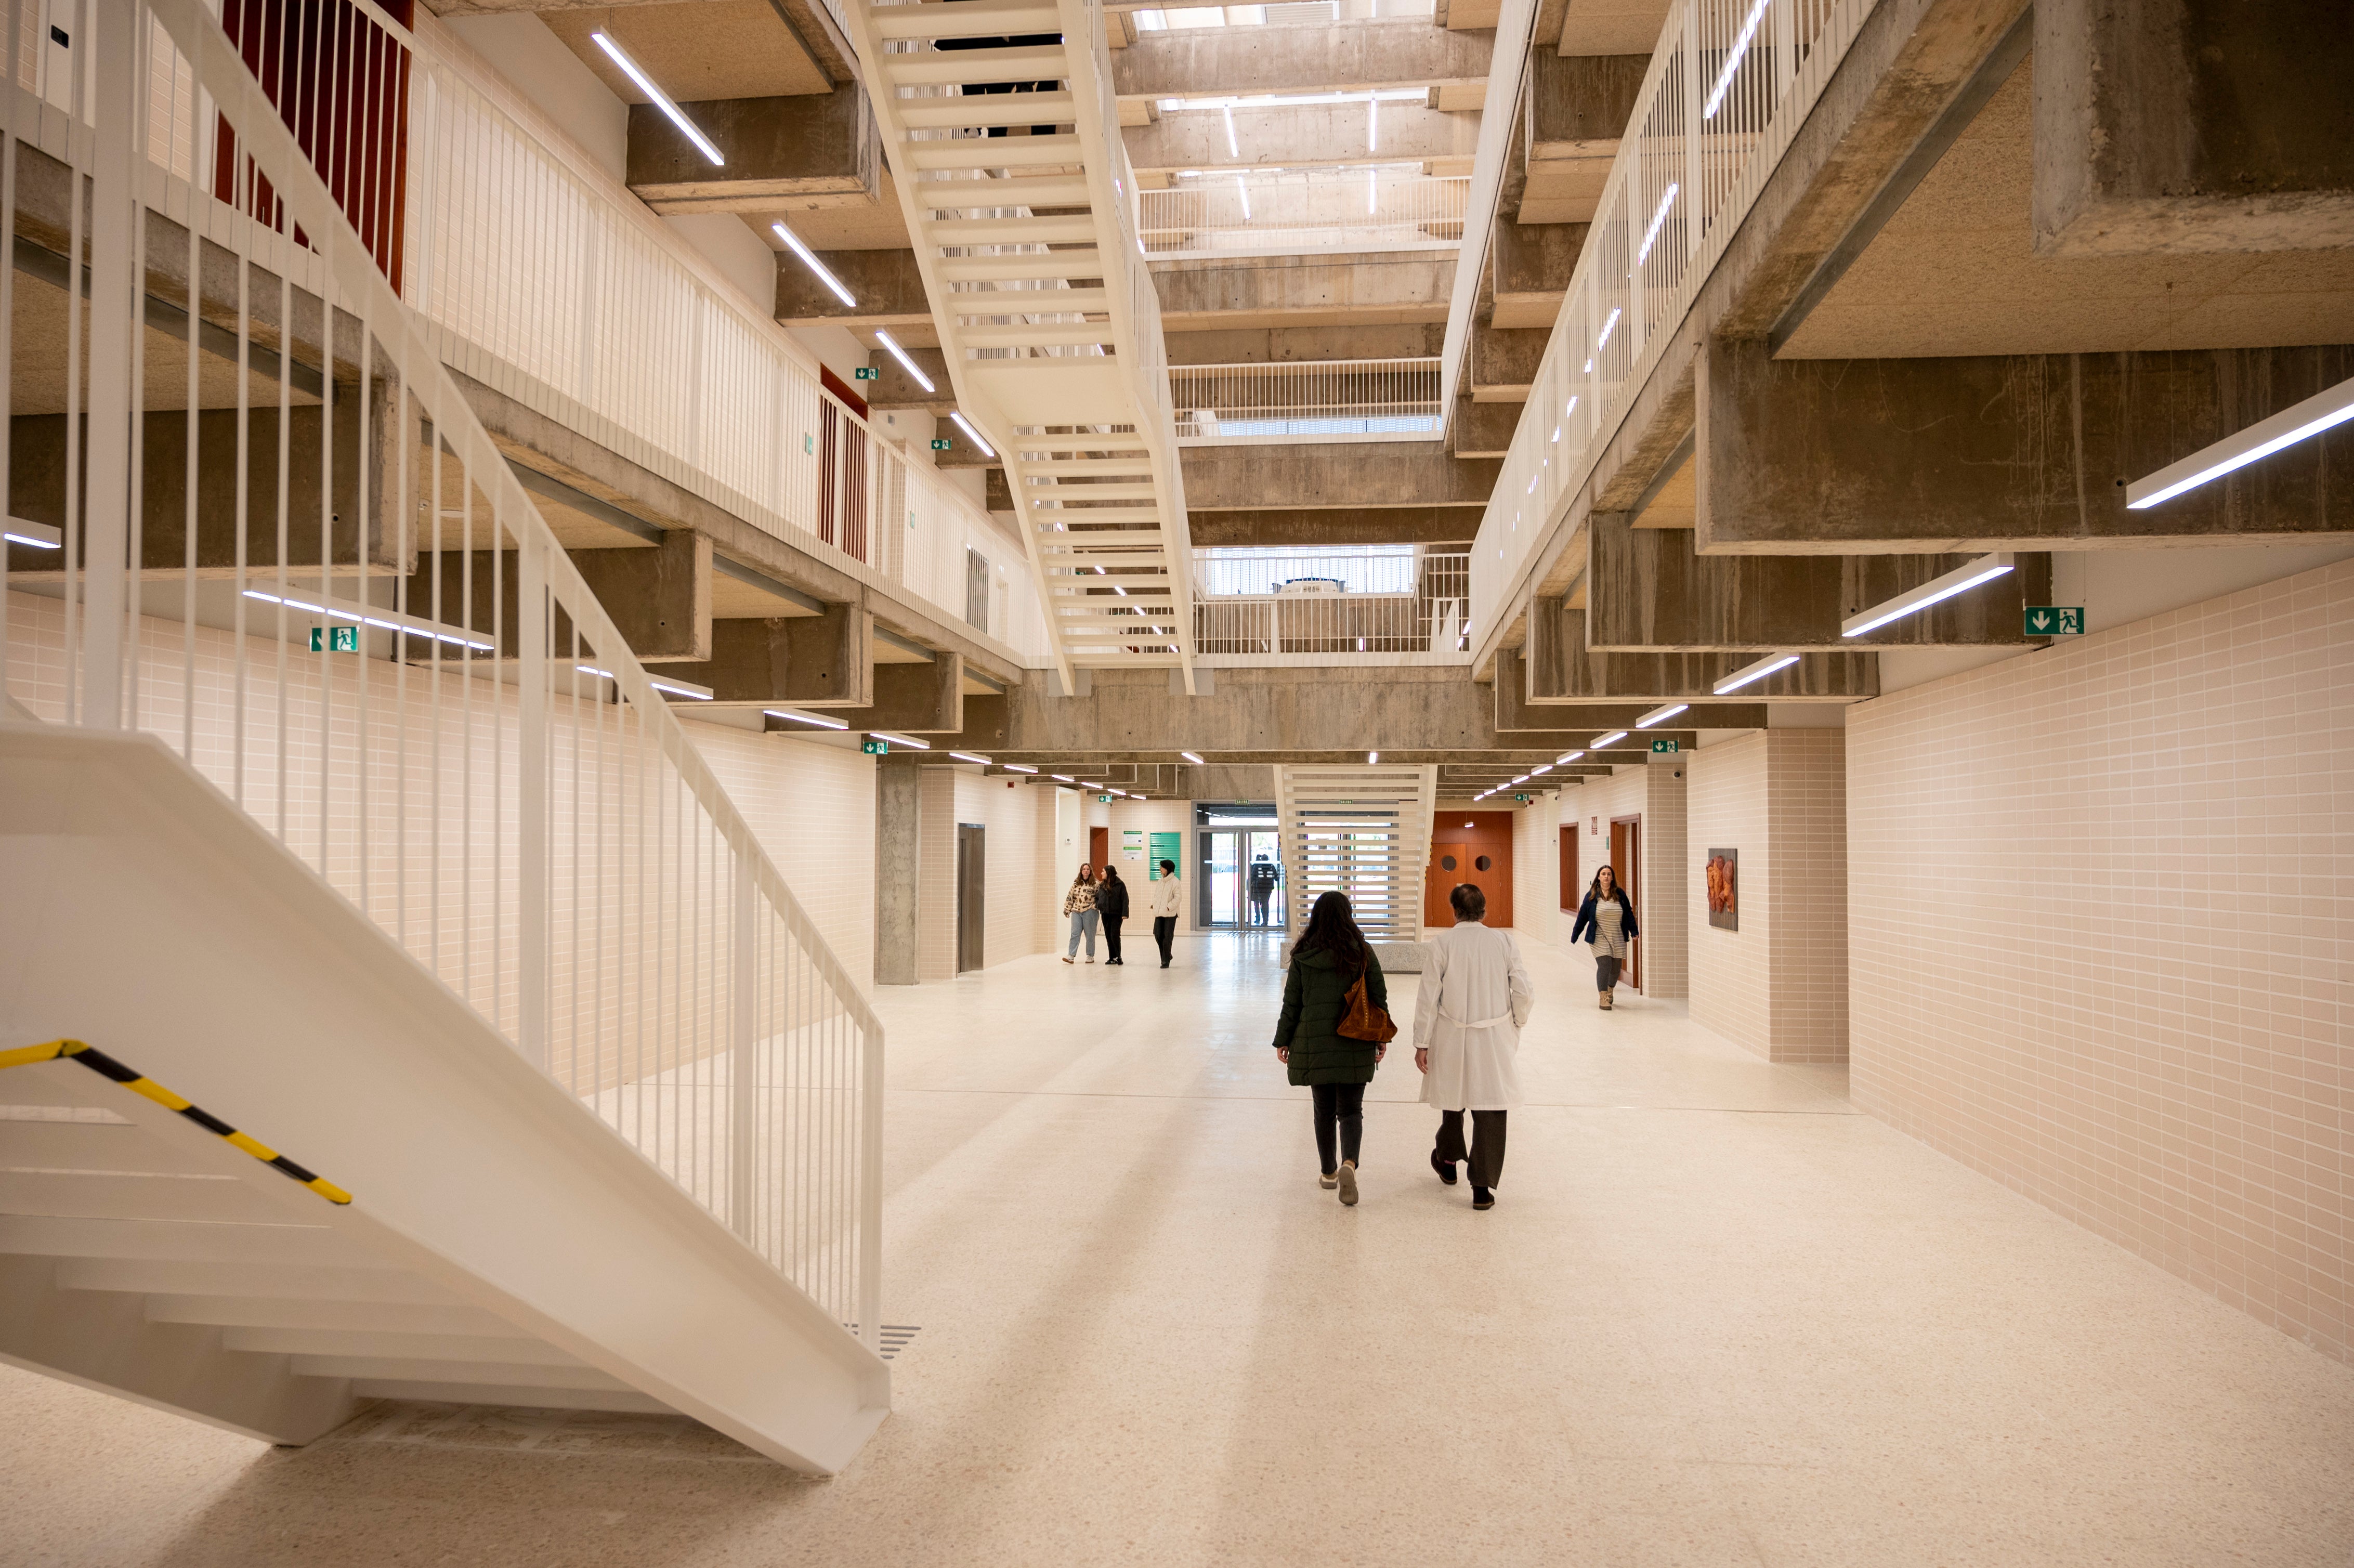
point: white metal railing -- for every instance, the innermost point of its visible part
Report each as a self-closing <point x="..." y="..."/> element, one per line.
<point x="1383" y="209"/>
<point x="366" y="635"/>
<point x="1729" y="86"/>
<point x="1378" y="604"/>
<point x="1306" y="401"/>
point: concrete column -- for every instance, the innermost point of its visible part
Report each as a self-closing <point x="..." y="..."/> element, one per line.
<point x="898" y="869"/>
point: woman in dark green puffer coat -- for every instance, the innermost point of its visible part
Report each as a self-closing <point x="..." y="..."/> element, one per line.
<point x="1325" y="963"/>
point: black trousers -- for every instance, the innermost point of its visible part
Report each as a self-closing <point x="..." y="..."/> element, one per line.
<point x="1605" y="972"/>
<point x="1487" y="1150"/>
<point x="1112" y="937"/>
<point x="1339" y="1107"/>
<point x="1164" y="936"/>
<point x="1259" y="910"/>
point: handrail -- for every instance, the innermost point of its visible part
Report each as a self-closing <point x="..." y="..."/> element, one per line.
<point x="533" y="822"/>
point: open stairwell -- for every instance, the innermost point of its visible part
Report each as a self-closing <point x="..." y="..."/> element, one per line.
<point x="1362" y="829"/>
<point x="1002" y="128"/>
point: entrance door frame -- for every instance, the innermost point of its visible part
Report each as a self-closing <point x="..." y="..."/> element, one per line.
<point x="971" y="892"/>
<point x="1572" y="895"/>
<point x="1626" y="869"/>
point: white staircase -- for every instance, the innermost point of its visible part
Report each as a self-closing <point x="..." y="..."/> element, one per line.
<point x="1047" y="315"/>
<point x="1365" y="830"/>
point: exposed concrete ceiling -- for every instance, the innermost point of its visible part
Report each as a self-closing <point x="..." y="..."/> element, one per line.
<point x="695" y="50"/>
<point x="1613" y="26"/>
<point x="825" y="224"/>
<point x="1953" y="273"/>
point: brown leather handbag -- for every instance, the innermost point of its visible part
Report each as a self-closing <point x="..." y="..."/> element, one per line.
<point x="1363" y="1020"/>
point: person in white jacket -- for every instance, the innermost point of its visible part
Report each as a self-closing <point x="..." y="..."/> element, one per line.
<point x="1161" y="899"/>
<point x="1473" y="998"/>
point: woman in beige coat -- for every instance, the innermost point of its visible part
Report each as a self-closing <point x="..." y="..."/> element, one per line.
<point x="1474" y="997"/>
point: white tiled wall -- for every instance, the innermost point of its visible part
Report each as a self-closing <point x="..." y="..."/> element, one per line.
<point x="1732" y="971"/>
<point x="2102" y="936"/>
<point x="1656" y="794"/>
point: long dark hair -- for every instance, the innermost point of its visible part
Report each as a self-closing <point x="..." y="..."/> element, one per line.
<point x="1333" y="929"/>
<point x="1618" y="888"/>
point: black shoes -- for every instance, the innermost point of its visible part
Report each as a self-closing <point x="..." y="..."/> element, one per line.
<point x="1446" y="1167"/>
<point x="1483" y="1199"/>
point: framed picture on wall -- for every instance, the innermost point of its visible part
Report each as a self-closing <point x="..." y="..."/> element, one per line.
<point x="1723" y="871"/>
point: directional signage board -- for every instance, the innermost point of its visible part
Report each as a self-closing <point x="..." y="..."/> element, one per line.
<point x="335" y="639"/>
<point x="2055" y="621"/>
<point x="942" y="443"/>
<point x="1664" y="746"/>
<point x="865" y="373"/>
<point x="876" y="748"/>
<point x="1523" y="799"/>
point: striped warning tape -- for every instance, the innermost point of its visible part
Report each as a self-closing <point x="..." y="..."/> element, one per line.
<point x="106" y="1066"/>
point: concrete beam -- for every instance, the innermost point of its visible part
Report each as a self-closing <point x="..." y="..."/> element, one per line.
<point x="804" y="662"/>
<point x="1562" y="669"/>
<point x="1298" y="136"/>
<point x="2192" y="125"/>
<point x="1515" y="713"/>
<point x="1613" y="26"/>
<point x="659" y="598"/>
<point x="1801" y="456"/>
<point x="887" y="285"/>
<point x="1501" y="364"/>
<point x="1197" y="62"/>
<point x="819" y="150"/>
<point x="1482" y="430"/>
<point x="909" y="699"/>
<point x="1297" y="292"/>
<point x="1291" y="344"/>
<point x="1647" y="591"/>
<point x="1528" y="268"/>
<point x="894" y="388"/>
<point x="1374" y="475"/>
<point x="1575" y="112"/>
<point x="1336" y="525"/>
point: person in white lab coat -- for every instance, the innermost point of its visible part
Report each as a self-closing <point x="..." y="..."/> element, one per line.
<point x="1473" y="999"/>
<point x="1160" y="901"/>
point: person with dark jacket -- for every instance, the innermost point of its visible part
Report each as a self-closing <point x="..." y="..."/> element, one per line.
<point x="1111" y="905"/>
<point x="1611" y="918"/>
<point x="1330" y="955"/>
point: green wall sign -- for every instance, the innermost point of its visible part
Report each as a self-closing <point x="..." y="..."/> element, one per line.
<point x="2055" y="621"/>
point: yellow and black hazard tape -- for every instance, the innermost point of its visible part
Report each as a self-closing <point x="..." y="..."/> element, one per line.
<point x="106" y="1066"/>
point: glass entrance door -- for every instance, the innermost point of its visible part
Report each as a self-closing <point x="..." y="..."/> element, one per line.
<point x="1242" y="878"/>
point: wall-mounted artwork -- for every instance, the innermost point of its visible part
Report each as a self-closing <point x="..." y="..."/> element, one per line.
<point x="1725" y="889"/>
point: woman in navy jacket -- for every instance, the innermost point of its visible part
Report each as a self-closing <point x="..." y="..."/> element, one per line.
<point x="1611" y="918"/>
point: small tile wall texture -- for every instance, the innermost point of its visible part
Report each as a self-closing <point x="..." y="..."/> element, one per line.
<point x="1732" y="971"/>
<point x="2102" y="936"/>
<point x="1806" y="867"/>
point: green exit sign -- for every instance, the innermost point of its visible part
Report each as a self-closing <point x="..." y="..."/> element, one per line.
<point x="2055" y="621"/>
<point x="335" y="639"/>
<point x="1523" y="799"/>
<point x="942" y="443"/>
<point x="1667" y="746"/>
<point x="876" y="748"/>
<point x="865" y="373"/>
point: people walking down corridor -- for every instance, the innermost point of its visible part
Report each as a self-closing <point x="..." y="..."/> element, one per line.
<point x="1474" y="997"/>
<point x="1079" y="904"/>
<point x="1111" y="907"/>
<point x="1163" y="899"/>
<point x="1330" y="959"/>
<point x="1611" y="918"/>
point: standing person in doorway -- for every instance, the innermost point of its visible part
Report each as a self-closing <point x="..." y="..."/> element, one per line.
<point x="1474" y="997"/>
<point x="1264" y="874"/>
<point x="1611" y="918"/>
<point x="1079" y="904"/>
<point x="1111" y="907"/>
<point x="1329" y="958"/>
<point x="1162" y="904"/>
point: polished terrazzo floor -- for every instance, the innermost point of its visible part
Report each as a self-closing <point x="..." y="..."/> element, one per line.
<point x="1716" y="1319"/>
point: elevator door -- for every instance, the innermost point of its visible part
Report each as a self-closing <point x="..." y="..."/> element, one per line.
<point x="971" y="878"/>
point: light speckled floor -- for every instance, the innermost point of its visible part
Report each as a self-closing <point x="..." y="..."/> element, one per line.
<point x="1715" y="1318"/>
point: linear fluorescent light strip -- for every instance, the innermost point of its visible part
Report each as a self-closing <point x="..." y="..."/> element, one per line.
<point x="1660" y="715"/>
<point x="909" y="740"/>
<point x="1659" y="219"/>
<point x="2291" y="425"/>
<point x="1233" y="148"/>
<point x="1599" y="741"/>
<point x="675" y="688"/>
<point x="1017" y="768"/>
<point x="809" y="259"/>
<point x="1062" y="779"/>
<point x="1243" y="189"/>
<point x="1961" y="579"/>
<point x="1191" y="758"/>
<point x="1568" y="756"/>
<point x="971" y="434"/>
<point x="969" y="756"/>
<point x="1607" y="328"/>
<point x="900" y="355"/>
<point x="1757" y="672"/>
<point x="661" y="99"/>
<point x="39" y="535"/>
<point x="386" y="621"/>
<point x="792" y="718"/>
<point x="1733" y="59"/>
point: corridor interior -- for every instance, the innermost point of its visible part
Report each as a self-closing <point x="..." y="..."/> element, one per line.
<point x="1717" y="1317"/>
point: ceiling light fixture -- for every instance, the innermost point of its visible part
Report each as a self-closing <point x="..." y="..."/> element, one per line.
<point x="1372" y="758"/>
<point x="1062" y="779"/>
<point x="1661" y="715"/>
<point x="1233" y="148"/>
<point x="1017" y="768"/>
<point x="971" y="434"/>
<point x="2290" y="426"/>
<point x="1373" y="127"/>
<point x="675" y="688"/>
<point x="1568" y="756"/>
<point x="1191" y="758"/>
<point x="1613" y="738"/>
<point x="661" y="99"/>
<point x="1757" y="672"/>
<point x="1541" y="769"/>
<point x="1651" y="235"/>
<point x="888" y="738"/>
<point x="969" y="756"/>
<point x="1244" y="191"/>
<point x="39" y="535"/>
<point x="383" y="620"/>
<point x="905" y="363"/>
<point x="809" y="259"/>
<point x="1936" y="590"/>
<point x="1733" y="59"/>
<point x="791" y="717"/>
<point x="1607" y="328"/>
